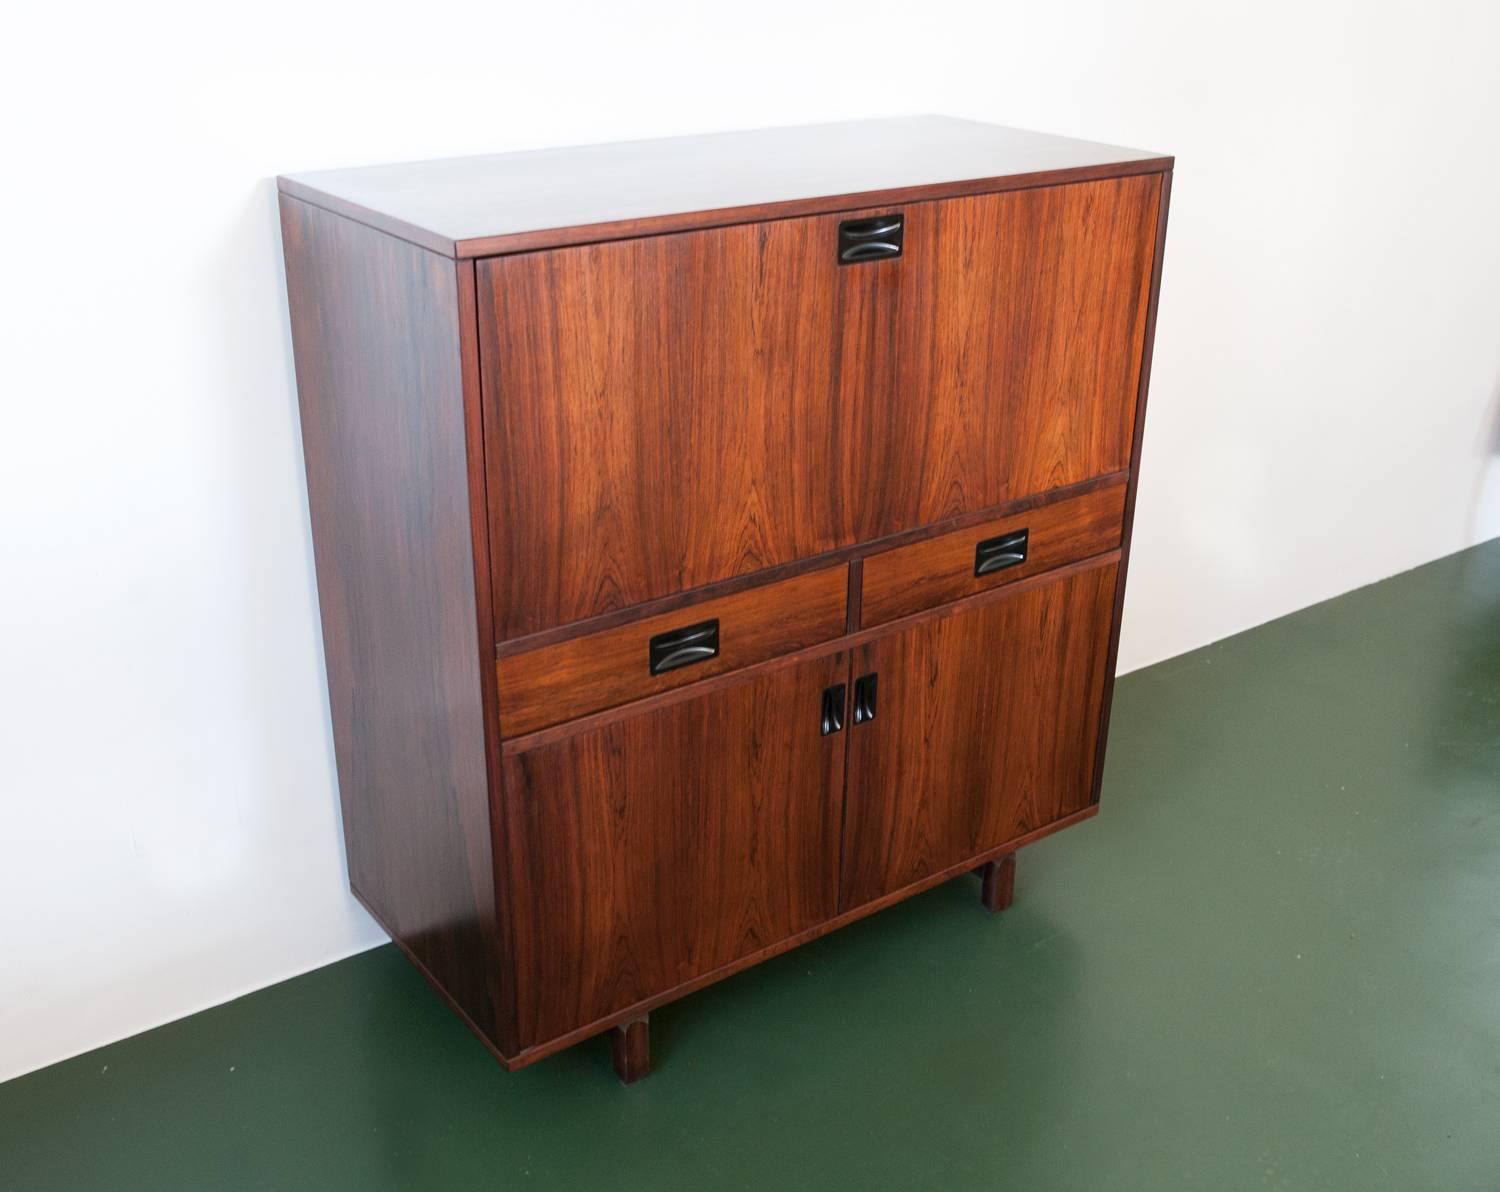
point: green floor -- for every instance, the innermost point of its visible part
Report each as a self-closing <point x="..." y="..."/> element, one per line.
<point x="1272" y="961"/>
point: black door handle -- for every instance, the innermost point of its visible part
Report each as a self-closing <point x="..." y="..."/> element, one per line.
<point x="864" y="698"/>
<point x="875" y="239"/>
<point x="996" y="554"/>
<point x="683" y="647"/>
<point x="833" y="709"/>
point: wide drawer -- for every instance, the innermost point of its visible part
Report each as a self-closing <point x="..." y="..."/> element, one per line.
<point x="908" y="579"/>
<point x="552" y="684"/>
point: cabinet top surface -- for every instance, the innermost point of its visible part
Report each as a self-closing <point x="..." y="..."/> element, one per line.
<point x="514" y="202"/>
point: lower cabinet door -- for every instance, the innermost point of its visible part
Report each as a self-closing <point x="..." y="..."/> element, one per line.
<point x="985" y="727"/>
<point x="668" y="843"/>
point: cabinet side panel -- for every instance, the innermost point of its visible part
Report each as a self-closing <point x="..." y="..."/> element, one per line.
<point x="1158" y="251"/>
<point x="375" y="326"/>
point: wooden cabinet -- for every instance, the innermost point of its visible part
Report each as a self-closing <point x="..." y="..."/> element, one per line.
<point x="717" y="539"/>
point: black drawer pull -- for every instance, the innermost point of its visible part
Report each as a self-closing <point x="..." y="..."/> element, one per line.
<point x="876" y="250"/>
<point x="683" y="647"/>
<point x="876" y="228"/>
<point x="833" y="709"/>
<point x="874" y="239"/>
<point x="996" y="554"/>
<point x="864" y="698"/>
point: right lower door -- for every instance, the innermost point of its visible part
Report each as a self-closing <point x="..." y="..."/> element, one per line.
<point x="985" y="727"/>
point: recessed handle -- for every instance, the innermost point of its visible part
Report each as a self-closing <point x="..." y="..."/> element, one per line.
<point x="996" y="554"/>
<point x="683" y="647"/>
<point x="864" y="697"/>
<point x="833" y="709"/>
<point x="878" y="227"/>
<point x="877" y="238"/>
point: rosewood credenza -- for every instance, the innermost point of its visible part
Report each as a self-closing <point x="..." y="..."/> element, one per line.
<point x="718" y="539"/>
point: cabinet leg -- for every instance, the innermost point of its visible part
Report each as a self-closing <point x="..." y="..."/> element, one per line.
<point x="632" y="1043"/>
<point x="999" y="878"/>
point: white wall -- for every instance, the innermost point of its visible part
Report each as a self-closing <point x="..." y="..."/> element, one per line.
<point x="1324" y="411"/>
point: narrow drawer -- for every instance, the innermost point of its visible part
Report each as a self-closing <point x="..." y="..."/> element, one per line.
<point x="552" y="684"/>
<point x="908" y="579"/>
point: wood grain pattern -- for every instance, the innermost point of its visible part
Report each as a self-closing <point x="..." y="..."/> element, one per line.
<point x="379" y="375"/>
<point x="910" y="578"/>
<point x="593" y="720"/>
<point x="1144" y="385"/>
<point x="986" y="730"/>
<point x="520" y="202"/>
<point x="711" y="404"/>
<point x="856" y="593"/>
<point x="523" y="468"/>
<point x="669" y="844"/>
<point x="557" y="683"/>
<point x="999" y="356"/>
<point x="542" y="1050"/>
<point x="850" y="555"/>
<point x="677" y="424"/>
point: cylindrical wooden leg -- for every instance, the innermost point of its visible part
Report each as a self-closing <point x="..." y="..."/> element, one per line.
<point x="632" y="1043"/>
<point x="999" y="878"/>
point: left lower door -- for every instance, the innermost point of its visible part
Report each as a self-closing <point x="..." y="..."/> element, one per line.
<point x="649" y="850"/>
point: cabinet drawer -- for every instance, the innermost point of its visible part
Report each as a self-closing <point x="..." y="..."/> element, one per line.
<point x="552" y="684"/>
<point x="908" y="579"/>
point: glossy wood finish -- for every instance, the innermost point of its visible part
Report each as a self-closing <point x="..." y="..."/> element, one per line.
<point x="523" y="468"/>
<point x="631" y="1043"/>
<point x="707" y="405"/>
<point x="562" y="682"/>
<point x="925" y="574"/>
<point x="515" y="202"/>
<point x="377" y="340"/>
<point x="998" y="883"/>
<point x="850" y="555"/>
<point x="859" y="637"/>
<point x="533" y="1055"/>
<point x="999" y="356"/>
<point x="678" y="426"/>
<point x="856" y="592"/>
<point x="1143" y="386"/>
<point x="667" y="845"/>
<point x="985" y="730"/>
